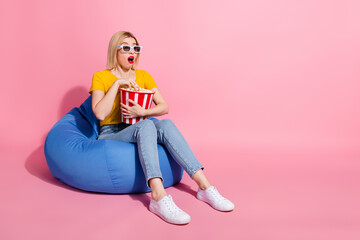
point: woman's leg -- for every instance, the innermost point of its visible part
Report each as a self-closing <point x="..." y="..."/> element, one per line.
<point x="201" y="180"/>
<point x="170" y="136"/>
<point x="157" y="189"/>
<point x="144" y="134"/>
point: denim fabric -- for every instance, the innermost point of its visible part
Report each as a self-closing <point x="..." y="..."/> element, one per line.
<point x="147" y="135"/>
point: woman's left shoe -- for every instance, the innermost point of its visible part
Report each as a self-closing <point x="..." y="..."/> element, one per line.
<point x="214" y="199"/>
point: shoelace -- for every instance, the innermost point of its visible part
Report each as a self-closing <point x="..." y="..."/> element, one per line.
<point x="172" y="206"/>
<point x="215" y="193"/>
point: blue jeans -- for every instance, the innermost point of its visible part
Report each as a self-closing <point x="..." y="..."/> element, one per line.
<point x="147" y="135"/>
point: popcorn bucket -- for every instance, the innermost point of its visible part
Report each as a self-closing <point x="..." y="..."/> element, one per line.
<point x="143" y="98"/>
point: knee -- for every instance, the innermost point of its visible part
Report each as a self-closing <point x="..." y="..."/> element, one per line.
<point x="146" y="125"/>
<point x="164" y="124"/>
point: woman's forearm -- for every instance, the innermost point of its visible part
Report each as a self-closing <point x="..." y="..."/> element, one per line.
<point x="158" y="110"/>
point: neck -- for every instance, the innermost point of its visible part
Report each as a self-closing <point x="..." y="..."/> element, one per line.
<point x="123" y="70"/>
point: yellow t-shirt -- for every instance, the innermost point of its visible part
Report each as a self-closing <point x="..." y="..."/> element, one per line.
<point x="102" y="80"/>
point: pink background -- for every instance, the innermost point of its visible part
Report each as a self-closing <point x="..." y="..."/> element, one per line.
<point x="265" y="92"/>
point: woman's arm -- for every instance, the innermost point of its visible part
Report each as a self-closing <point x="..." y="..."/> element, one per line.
<point x="161" y="107"/>
<point x="102" y="103"/>
<point x="136" y="110"/>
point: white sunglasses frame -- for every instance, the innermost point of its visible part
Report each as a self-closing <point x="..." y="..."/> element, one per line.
<point x="131" y="48"/>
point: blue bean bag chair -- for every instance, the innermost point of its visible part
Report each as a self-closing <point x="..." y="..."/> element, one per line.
<point x="75" y="157"/>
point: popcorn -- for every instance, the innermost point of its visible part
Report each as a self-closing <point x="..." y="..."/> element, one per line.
<point x="143" y="97"/>
<point x="142" y="90"/>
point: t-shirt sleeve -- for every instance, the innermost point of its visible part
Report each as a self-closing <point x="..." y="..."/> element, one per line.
<point x="97" y="84"/>
<point x="149" y="81"/>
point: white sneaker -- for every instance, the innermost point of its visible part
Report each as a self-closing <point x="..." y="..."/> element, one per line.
<point x="167" y="210"/>
<point x="214" y="199"/>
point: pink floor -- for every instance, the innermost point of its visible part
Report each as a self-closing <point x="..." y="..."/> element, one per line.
<point x="278" y="194"/>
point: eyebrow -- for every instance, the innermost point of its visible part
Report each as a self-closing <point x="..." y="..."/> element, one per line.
<point x="127" y="43"/>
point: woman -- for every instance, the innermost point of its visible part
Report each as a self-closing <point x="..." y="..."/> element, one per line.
<point x="123" y="56"/>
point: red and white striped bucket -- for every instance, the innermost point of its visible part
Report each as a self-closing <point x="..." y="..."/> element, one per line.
<point x="144" y="99"/>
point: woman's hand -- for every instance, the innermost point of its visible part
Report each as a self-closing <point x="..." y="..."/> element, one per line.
<point x="127" y="81"/>
<point x="134" y="111"/>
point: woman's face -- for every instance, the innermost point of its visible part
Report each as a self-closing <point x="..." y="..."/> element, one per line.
<point x="127" y="60"/>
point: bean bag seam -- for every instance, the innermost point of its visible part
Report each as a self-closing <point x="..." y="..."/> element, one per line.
<point x="107" y="165"/>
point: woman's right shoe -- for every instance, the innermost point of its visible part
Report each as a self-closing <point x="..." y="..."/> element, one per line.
<point x="167" y="210"/>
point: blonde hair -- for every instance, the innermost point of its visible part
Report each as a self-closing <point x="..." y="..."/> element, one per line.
<point x="115" y="41"/>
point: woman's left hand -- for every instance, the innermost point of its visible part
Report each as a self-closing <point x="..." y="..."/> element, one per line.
<point x="134" y="111"/>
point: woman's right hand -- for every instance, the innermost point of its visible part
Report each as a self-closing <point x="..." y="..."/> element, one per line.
<point x="122" y="82"/>
<point x="130" y="81"/>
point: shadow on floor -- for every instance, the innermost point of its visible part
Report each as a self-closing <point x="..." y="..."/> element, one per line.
<point x="36" y="165"/>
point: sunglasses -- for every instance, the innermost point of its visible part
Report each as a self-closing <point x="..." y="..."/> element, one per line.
<point x="127" y="48"/>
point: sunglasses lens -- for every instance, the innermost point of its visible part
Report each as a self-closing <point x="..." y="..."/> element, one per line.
<point x="126" y="48"/>
<point x="137" y="49"/>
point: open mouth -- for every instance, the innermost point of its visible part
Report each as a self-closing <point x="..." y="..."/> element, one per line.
<point x="131" y="59"/>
